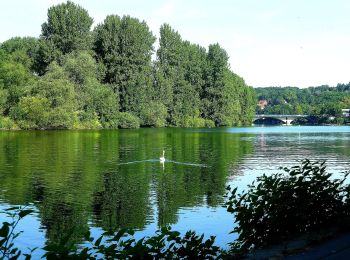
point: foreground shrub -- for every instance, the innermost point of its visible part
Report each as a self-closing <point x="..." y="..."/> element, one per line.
<point x="165" y="244"/>
<point x="8" y="234"/>
<point x="278" y="207"/>
<point x="127" y="120"/>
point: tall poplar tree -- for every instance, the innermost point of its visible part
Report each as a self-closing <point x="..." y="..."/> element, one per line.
<point x="226" y="99"/>
<point x="213" y="91"/>
<point x="67" y="29"/>
<point x="179" y="76"/>
<point x="125" y="46"/>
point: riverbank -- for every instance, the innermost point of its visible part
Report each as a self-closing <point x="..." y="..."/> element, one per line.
<point x="324" y="244"/>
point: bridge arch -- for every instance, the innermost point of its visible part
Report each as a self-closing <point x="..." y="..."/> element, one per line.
<point x="283" y="119"/>
<point x="268" y="121"/>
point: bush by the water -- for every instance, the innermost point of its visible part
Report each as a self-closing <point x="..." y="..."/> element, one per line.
<point x="281" y="206"/>
<point x="196" y="122"/>
<point x="128" y="120"/>
<point x="7" y="123"/>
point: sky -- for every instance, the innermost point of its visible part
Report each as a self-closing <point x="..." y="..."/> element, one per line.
<point x="269" y="42"/>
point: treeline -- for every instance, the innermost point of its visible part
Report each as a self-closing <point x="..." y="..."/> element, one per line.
<point x="74" y="77"/>
<point x="314" y="101"/>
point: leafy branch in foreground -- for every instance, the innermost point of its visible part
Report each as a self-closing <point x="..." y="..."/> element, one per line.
<point x="8" y="233"/>
<point x="281" y="206"/>
<point x="165" y="244"/>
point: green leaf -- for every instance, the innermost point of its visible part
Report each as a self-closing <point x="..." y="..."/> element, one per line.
<point x="98" y="241"/>
<point x="25" y="212"/>
<point x="119" y="234"/>
<point x="4" y="230"/>
<point x="12" y="208"/>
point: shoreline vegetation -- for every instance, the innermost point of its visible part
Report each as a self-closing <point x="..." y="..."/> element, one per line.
<point x="75" y="77"/>
<point x="322" y="104"/>
<point x="296" y="203"/>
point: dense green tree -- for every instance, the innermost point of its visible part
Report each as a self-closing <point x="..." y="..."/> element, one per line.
<point x="168" y="64"/>
<point x="225" y="95"/>
<point x="105" y="105"/>
<point x="31" y="112"/>
<point x="56" y="92"/>
<point x="74" y="78"/>
<point x="96" y="100"/>
<point x="68" y="27"/>
<point x="21" y="50"/>
<point x="67" y="30"/>
<point x="125" y="46"/>
<point x="107" y="46"/>
<point x="153" y="114"/>
<point x="28" y="44"/>
<point x="14" y="81"/>
<point x="248" y="101"/>
<point x="215" y="82"/>
<point x="45" y="54"/>
<point x="3" y="99"/>
<point x="179" y="75"/>
<point x="81" y="69"/>
<point x="331" y="109"/>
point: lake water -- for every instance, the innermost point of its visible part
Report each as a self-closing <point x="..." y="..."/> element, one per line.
<point x="105" y="180"/>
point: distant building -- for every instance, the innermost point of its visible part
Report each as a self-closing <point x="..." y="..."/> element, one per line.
<point x="262" y="103"/>
<point x="346" y="112"/>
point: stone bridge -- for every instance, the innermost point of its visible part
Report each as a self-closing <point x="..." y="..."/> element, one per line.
<point x="286" y="119"/>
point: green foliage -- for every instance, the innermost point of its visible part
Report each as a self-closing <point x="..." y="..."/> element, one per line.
<point x="179" y="75"/>
<point x="56" y="92"/>
<point x="105" y="104"/>
<point x="193" y="83"/>
<point x="14" y="81"/>
<point x="322" y="101"/>
<point x="46" y="54"/>
<point x="31" y="112"/>
<point x="165" y="244"/>
<point x="227" y="100"/>
<point x="128" y="120"/>
<point x="68" y="27"/>
<point x="86" y="74"/>
<point x="3" y="99"/>
<point x="196" y="122"/>
<point x="87" y="120"/>
<point x="21" y="50"/>
<point x="67" y="30"/>
<point x="153" y="114"/>
<point x="6" y="123"/>
<point x="125" y="46"/>
<point x="80" y="67"/>
<point x="281" y="206"/>
<point x="209" y="123"/>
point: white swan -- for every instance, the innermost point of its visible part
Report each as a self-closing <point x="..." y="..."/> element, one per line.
<point x="162" y="158"/>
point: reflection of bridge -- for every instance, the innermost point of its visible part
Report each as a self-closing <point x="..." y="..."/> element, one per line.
<point x="286" y="119"/>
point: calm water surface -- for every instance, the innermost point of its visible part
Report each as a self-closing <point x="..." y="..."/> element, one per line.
<point x="105" y="180"/>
